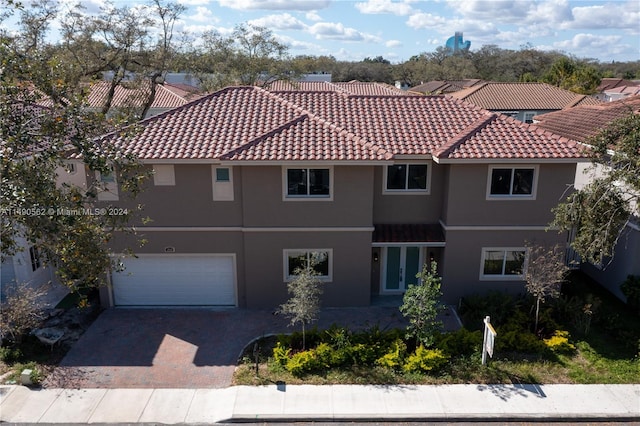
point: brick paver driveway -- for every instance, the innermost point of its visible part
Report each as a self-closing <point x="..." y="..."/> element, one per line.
<point x="183" y="348"/>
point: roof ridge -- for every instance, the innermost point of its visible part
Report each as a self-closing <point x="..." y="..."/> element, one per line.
<point x="255" y="141"/>
<point x="575" y="101"/>
<point x="358" y="139"/>
<point x="464" y="135"/>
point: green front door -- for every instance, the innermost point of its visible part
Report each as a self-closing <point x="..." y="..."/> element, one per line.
<point x="400" y="268"/>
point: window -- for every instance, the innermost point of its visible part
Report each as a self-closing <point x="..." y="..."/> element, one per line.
<point x="222" y="174"/>
<point x="512" y="182"/>
<point x="308" y="183"/>
<point x="407" y="178"/>
<point x="503" y="263"/>
<point x="164" y="175"/>
<point x="34" y="254"/>
<point x="528" y="117"/>
<point x="108" y="188"/>
<point x="320" y="260"/>
<point x="222" y="183"/>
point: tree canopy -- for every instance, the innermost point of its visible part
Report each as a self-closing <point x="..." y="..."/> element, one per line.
<point x="600" y="212"/>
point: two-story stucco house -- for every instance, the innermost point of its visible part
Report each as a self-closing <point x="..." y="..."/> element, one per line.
<point x="250" y="183"/>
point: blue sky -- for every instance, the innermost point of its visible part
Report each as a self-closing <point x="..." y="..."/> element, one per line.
<point x="398" y="29"/>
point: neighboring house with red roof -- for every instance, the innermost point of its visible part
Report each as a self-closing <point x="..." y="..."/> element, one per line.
<point x="438" y="87"/>
<point x="522" y="101"/>
<point x="135" y="94"/>
<point x="580" y="124"/>
<point x="250" y="184"/>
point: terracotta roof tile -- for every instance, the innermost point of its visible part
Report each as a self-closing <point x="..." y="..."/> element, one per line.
<point x="582" y="122"/>
<point x="252" y="124"/>
<point x="408" y="233"/>
<point x="355" y="88"/>
<point x="134" y="95"/>
<point x="519" y="96"/>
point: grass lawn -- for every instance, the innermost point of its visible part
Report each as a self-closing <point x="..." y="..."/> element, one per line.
<point x="606" y="351"/>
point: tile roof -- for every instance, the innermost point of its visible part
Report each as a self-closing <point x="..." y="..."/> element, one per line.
<point x="167" y="95"/>
<point x="408" y="233"/>
<point x="519" y="96"/>
<point x="581" y="123"/>
<point x="611" y="83"/>
<point x="347" y="88"/>
<point x="437" y="87"/>
<point x="253" y="124"/>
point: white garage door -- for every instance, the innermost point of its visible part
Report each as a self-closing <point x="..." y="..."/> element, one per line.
<point x="170" y="280"/>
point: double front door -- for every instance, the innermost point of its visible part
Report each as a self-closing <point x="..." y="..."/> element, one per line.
<point x="400" y="267"/>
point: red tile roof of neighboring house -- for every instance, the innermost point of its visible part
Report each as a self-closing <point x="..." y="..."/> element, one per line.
<point x="134" y="95"/>
<point x="581" y="123"/>
<point x="348" y="88"/>
<point x="437" y="87"/>
<point x="611" y="83"/>
<point x="253" y="124"/>
<point x="522" y="96"/>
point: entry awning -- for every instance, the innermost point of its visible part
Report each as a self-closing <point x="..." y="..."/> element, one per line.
<point x="424" y="234"/>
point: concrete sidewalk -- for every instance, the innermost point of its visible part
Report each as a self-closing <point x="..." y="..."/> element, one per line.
<point x="322" y="403"/>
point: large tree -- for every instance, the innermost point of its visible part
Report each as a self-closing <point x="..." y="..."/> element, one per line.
<point x="44" y="122"/>
<point x="600" y="212"/>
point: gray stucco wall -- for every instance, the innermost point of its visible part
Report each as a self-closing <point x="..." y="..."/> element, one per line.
<point x="463" y="257"/>
<point x="468" y="204"/>
<point x="409" y="208"/>
<point x="625" y="262"/>
<point x="266" y="287"/>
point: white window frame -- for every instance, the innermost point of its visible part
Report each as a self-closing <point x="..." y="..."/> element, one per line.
<point x="222" y="189"/>
<point x="503" y="277"/>
<point x="285" y="185"/>
<point x="286" y="253"/>
<point x="110" y="193"/>
<point x="534" y="189"/>
<point x="407" y="191"/>
<point x="164" y="175"/>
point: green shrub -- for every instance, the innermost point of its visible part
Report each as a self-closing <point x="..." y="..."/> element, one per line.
<point x="518" y="340"/>
<point x="460" y="343"/>
<point x="10" y="355"/>
<point x="395" y="357"/>
<point x="473" y="309"/>
<point x="325" y="355"/>
<point x="339" y="337"/>
<point x="631" y="289"/>
<point x="425" y="360"/>
<point x="559" y="342"/>
<point x="302" y="363"/>
<point x="363" y="354"/>
<point x="281" y="354"/>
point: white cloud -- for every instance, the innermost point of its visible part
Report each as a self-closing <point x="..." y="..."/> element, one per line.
<point x="425" y="20"/>
<point x="275" y="4"/>
<point x="313" y="16"/>
<point x="296" y="44"/>
<point x="495" y="10"/>
<point x="194" y="2"/>
<point x="589" y="44"/>
<point x="384" y="6"/>
<point x="203" y="15"/>
<point x="393" y="43"/>
<point x="280" y="22"/>
<point x="337" y="31"/>
<point x="612" y="15"/>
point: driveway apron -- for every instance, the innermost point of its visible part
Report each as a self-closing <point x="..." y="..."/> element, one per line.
<point x="185" y="348"/>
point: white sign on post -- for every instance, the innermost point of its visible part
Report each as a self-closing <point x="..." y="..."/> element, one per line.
<point x="489" y="340"/>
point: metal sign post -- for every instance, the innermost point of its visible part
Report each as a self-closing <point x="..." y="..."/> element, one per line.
<point x="488" y="341"/>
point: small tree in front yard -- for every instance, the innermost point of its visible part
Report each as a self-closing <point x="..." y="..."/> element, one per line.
<point x="421" y="305"/>
<point x="22" y="310"/>
<point x="305" y="289"/>
<point x="545" y="273"/>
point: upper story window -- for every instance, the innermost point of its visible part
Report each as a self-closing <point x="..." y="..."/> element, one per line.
<point x="34" y="254"/>
<point x="308" y="183"/>
<point x="516" y="182"/>
<point x="320" y="260"/>
<point x="503" y="263"/>
<point x="222" y="183"/>
<point x="108" y="190"/>
<point x="407" y="178"/>
<point x="164" y="175"/>
<point x="528" y="117"/>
